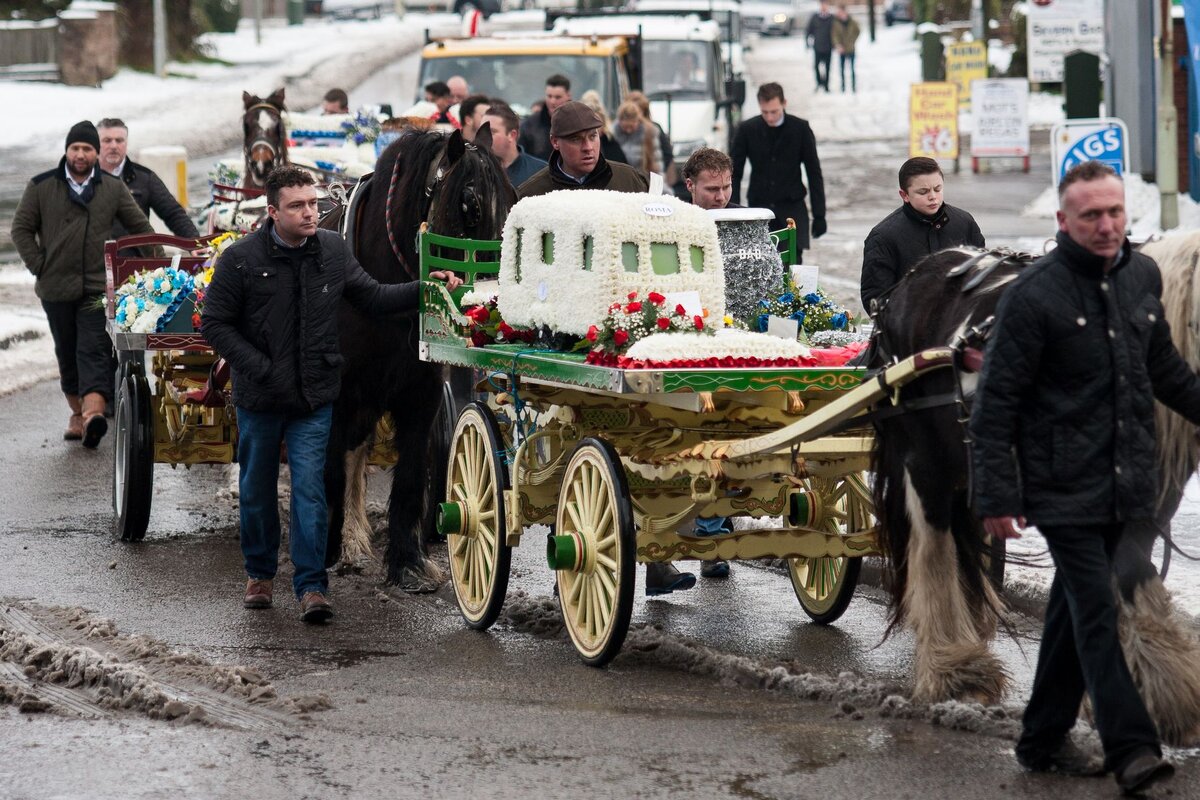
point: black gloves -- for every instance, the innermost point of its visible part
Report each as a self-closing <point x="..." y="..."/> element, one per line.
<point x="818" y="227"/>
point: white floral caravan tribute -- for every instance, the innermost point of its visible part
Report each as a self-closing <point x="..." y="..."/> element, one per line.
<point x="569" y="255"/>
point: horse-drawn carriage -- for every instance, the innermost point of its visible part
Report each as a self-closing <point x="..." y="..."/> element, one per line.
<point x="619" y="462"/>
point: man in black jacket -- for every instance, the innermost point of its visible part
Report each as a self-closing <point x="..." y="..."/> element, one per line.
<point x="271" y="312"/>
<point x="923" y="224"/>
<point x="819" y="36"/>
<point x="1063" y="425"/>
<point x="148" y="190"/>
<point x="777" y="144"/>
<point x="535" y="129"/>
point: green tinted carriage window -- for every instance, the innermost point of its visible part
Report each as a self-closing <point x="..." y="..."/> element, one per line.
<point x="697" y="255"/>
<point x="587" y="253"/>
<point x="547" y="248"/>
<point x="664" y="258"/>
<point x="629" y="256"/>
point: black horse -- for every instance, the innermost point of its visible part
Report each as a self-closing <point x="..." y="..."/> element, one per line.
<point x="459" y="188"/>
<point x="264" y="140"/>
<point x="935" y="546"/>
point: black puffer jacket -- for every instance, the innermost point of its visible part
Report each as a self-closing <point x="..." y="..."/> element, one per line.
<point x="1075" y="361"/>
<point x="272" y="312"/>
<point x="904" y="237"/>
<point x="149" y="192"/>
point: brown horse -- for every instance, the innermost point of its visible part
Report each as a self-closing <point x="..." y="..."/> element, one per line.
<point x="264" y="140"/>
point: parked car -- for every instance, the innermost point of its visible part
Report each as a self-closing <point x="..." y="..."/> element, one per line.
<point x="354" y="9"/>
<point x="770" y="17"/>
<point x="898" y="11"/>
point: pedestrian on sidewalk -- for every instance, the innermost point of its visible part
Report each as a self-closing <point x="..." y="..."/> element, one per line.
<point x="845" y="37"/>
<point x="1063" y="425"/>
<point x="59" y="230"/>
<point x="637" y="138"/>
<point x="923" y="224"/>
<point x="819" y="37"/>
<point x="272" y="312"/>
<point x="777" y="145"/>
<point x="148" y="190"/>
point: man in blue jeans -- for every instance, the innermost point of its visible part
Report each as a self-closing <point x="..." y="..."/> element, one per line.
<point x="271" y="312"/>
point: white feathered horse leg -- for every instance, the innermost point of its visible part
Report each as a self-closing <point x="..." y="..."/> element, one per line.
<point x="952" y="655"/>
<point x="1163" y="655"/>
<point x="356" y="528"/>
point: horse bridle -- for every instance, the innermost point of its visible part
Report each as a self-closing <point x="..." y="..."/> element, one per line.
<point x="262" y="141"/>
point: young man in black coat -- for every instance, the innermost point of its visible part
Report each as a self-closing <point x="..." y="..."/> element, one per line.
<point x="1063" y="425"/>
<point x="923" y="224"/>
<point x="777" y="145"/>
<point x="272" y="313"/>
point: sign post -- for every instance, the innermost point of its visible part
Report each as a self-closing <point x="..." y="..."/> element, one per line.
<point x="1104" y="139"/>
<point x="933" y="121"/>
<point x="1000" y="117"/>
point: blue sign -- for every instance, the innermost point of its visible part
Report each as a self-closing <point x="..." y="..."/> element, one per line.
<point x="1107" y="146"/>
<point x="1076" y="141"/>
<point x="1191" y="19"/>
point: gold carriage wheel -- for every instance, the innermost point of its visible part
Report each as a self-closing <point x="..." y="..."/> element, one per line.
<point x="825" y="585"/>
<point x="473" y="517"/>
<point x="595" y="513"/>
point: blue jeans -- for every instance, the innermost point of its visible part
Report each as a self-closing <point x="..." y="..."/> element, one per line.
<point x="259" y="436"/>
<point x="710" y="526"/>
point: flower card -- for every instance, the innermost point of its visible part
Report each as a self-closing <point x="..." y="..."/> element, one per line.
<point x="689" y="300"/>
<point x="805" y="276"/>
<point x="783" y="327"/>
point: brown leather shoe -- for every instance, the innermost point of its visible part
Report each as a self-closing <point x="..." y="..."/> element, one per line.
<point x="314" y="608"/>
<point x="74" y="431"/>
<point x="1141" y="772"/>
<point x="258" y="593"/>
<point x="94" y="423"/>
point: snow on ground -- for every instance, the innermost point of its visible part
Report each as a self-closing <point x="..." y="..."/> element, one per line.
<point x="200" y="104"/>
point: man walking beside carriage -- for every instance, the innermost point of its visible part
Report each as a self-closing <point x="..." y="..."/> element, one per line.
<point x="272" y="313"/>
<point x="59" y="229"/>
<point x="1063" y="425"/>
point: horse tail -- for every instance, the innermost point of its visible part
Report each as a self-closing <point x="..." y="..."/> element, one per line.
<point x="1178" y="450"/>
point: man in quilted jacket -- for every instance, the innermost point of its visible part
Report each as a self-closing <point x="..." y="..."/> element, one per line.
<point x="1063" y="425"/>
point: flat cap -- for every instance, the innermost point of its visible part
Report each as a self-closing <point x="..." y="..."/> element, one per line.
<point x="573" y="117"/>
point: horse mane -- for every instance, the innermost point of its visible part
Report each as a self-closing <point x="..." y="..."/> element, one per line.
<point x="421" y="152"/>
<point x="1177" y="256"/>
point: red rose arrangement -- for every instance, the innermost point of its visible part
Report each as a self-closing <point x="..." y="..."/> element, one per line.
<point x="487" y="326"/>
<point x="636" y="319"/>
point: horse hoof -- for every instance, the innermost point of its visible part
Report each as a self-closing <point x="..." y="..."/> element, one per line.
<point x="414" y="581"/>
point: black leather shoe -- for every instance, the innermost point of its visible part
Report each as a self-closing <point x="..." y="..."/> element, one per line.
<point x="1066" y="760"/>
<point x="1142" y="772"/>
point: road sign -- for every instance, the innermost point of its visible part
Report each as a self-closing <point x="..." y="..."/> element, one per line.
<point x="1000" y="117"/>
<point x="933" y="120"/>
<point x="1057" y="27"/>
<point x="966" y="62"/>
<point x="1075" y="141"/>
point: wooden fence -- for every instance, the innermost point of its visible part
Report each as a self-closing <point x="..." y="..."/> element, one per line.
<point x="29" y="49"/>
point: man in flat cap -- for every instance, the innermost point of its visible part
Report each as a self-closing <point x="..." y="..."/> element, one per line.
<point x="59" y="229"/>
<point x="575" y="162"/>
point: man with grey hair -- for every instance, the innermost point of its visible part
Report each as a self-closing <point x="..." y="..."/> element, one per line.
<point x="148" y="190"/>
<point x="1063" y="425"/>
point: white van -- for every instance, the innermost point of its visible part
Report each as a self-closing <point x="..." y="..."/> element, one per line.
<point x="682" y="73"/>
<point x="726" y="13"/>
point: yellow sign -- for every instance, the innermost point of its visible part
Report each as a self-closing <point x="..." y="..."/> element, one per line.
<point x="966" y="62"/>
<point x="933" y="120"/>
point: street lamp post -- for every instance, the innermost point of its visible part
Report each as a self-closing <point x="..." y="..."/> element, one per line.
<point x="1167" y="151"/>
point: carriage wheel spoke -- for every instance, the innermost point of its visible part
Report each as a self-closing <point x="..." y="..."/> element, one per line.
<point x="573" y="513"/>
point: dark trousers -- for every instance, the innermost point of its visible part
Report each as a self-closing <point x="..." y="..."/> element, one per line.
<point x="1081" y="652"/>
<point x="821" y="61"/>
<point x="259" y="435"/>
<point x="843" y="60"/>
<point x="81" y="346"/>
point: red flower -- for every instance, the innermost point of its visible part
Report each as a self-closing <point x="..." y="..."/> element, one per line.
<point x="614" y="306"/>
<point x="663" y="323"/>
<point x="633" y="295"/>
<point x="479" y="338"/>
<point x="479" y="314"/>
<point x="656" y="298"/>
<point x="679" y="309"/>
<point x="506" y="330"/>
<point x="699" y="320"/>
<point x="620" y="337"/>
<point x="592" y="334"/>
<point x="632" y="308"/>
